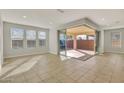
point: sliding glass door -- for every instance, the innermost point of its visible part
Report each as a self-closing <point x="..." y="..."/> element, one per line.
<point x="62" y="42"/>
<point x="65" y="45"/>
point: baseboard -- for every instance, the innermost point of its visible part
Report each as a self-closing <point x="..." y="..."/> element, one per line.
<point x="53" y="53"/>
<point x="114" y="52"/>
<point x="26" y="55"/>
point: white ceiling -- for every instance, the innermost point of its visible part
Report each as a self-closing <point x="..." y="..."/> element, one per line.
<point x="52" y="17"/>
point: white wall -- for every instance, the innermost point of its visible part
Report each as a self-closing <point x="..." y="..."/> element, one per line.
<point x="83" y="21"/>
<point x="53" y="41"/>
<point x="1" y="43"/>
<point x="9" y="52"/>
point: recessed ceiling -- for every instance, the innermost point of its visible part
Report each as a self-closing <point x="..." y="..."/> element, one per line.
<point x="53" y="17"/>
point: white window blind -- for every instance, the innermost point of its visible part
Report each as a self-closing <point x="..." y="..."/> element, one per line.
<point x="17" y="37"/>
<point x="31" y="38"/>
<point x="42" y="38"/>
<point x="116" y="39"/>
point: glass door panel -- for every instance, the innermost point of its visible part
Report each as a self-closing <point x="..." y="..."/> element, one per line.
<point x="62" y="42"/>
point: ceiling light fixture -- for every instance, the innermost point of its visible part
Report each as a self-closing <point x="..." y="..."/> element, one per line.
<point x="24" y="16"/>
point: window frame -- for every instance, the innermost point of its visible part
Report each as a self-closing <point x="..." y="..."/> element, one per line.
<point x="42" y="39"/>
<point x="30" y="39"/>
<point x="19" y="39"/>
<point x="119" y="46"/>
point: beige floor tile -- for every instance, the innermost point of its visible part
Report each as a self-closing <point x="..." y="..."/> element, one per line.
<point x="45" y="76"/>
<point x="50" y="68"/>
<point x="77" y="75"/>
<point x="100" y="81"/>
<point x="17" y="79"/>
<point x="90" y="77"/>
<point x="30" y="74"/>
<point x="102" y="78"/>
<point x="84" y="80"/>
<point x="64" y="78"/>
<point x="51" y="80"/>
<point x="67" y="80"/>
<point x="34" y="79"/>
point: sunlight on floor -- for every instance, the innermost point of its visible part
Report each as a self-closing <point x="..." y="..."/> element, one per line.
<point x="64" y="58"/>
<point x="78" y="53"/>
<point x="87" y="51"/>
<point x="74" y="53"/>
<point x="24" y="67"/>
<point x="13" y="65"/>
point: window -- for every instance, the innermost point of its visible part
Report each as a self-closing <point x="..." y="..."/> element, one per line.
<point x="81" y="37"/>
<point x="42" y="38"/>
<point x="17" y="37"/>
<point x="116" y="39"/>
<point x="91" y="38"/>
<point x="31" y="38"/>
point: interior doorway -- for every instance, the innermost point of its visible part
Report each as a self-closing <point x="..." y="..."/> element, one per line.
<point x="78" y="42"/>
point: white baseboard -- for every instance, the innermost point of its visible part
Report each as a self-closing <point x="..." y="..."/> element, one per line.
<point x="53" y="52"/>
<point x="114" y="52"/>
<point x="26" y="55"/>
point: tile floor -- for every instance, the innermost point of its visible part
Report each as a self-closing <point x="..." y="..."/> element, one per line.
<point x="49" y="68"/>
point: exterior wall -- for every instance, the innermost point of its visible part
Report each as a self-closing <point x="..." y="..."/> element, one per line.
<point x="107" y="43"/>
<point x="9" y="52"/>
